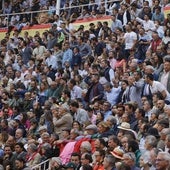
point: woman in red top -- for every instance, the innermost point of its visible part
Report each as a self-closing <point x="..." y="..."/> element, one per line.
<point x="99" y="157"/>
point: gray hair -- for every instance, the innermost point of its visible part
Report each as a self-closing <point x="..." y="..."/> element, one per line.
<point x="165" y="155"/>
<point x="150" y="67"/>
<point x="168" y="137"/>
<point x="131" y="156"/>
<point x="110" y="159"/>
<point x="33" y="147"/>
<point x="46" y="146"/>
<point x="86" y="145"/>
<point x="56" y="159"/>
<point x="151" y="140"/>
<point x="45" y="134"/>
<point x="112" y="119"/>
<point x="166" y="131"/>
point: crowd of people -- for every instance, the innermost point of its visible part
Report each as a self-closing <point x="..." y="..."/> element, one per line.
<point x="96" y="98"/>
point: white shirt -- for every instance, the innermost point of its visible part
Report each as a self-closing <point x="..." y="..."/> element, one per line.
<point x="164" y="79"/>
<point x="148" y="25"/>
<point x="130" y="37"/>
<point x="76" y="92"/>
<point x="159" y="87"/>
<point x="111" y="97"/>
<point x="52" y="61"/>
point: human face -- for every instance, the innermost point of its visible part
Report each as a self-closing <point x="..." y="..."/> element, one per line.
<point x="84" y="161"/>
<point x="144" y="99"/>
<point x="120" y="111"/>
<point x="65" y="134"/>
<point x="125" y="118"/>
<point x="167" y="142"/>
<point x="72" y="109"/>
<point x="19" y="164"/>
<point x="97" y="156"/>
<point x="101" y="129"/>
<point x="137" y="114"/>
<point x="123" y="85"/>
<point x="75" y="160"/>
<point x="124" y="142"/>
<point x="153" y="117"/>
<point x="18" y="149"/>
<point x="18" y="133"/>
<point x="147" y="145"/>
<point x="107" y="88"/>
<point x="105" y="163"/>
<point x="141" y="162"/>
<point x="111" y="144"/>
<point x="76" y="125"/>
<point x="127" y="159"/>
<point x="127" y="109"/>
<point x="7" y="151"/>
<point x="160" y="104"/>
<point x="161" y="163"/>
<point x="120" y="135"/>
<point x="45" y="138"/>
<point x="146" y="106"/>
<point x="106" y="106"/>
<point x="98" y="116"/>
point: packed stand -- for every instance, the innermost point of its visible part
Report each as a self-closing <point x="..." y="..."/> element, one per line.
<point x="88" y="99"/>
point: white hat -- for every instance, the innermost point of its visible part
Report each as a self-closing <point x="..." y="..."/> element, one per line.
<point x="124" y="126"/>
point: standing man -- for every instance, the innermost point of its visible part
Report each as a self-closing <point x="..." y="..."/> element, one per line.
<point x="164" y="76"/>
<point x="130" y="39"/>
<point x="80" y="115"/>
<point x="51" y="60"/>
<point x="95" y="91"/>
<point x="67" y="55"/>
<point x="26" y="52"/>
<point x="116" y="23"/>
<point x="38" y="52"/>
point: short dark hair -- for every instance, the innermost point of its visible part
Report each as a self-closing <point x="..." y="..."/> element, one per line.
<point x="142" y="112"/>
<point x="133" y="145"/>
<point x="88" y="157"/>
<point x="20" y="144"/>
<point x="115" y="139"/>
<point x="76" y="154"/>
<point x="20" y="159"/>
<point x="67" y="92"/>
<point x="130" y="105"/>
<point x="72" y="81"/>
<point x="74" y="104"/>
<point x="150" y="76"/>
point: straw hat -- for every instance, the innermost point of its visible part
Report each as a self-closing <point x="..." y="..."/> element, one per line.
<point x="117" y="153"/>
<point x="124" y="126"/>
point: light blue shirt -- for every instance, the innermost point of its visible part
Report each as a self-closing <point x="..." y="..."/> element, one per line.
<point x="67" y="56"/>
<point x="107" y="114"/>
<point x="116" y="24"/>
<point x="52" y="61"/>
<point x="112" y="96"/>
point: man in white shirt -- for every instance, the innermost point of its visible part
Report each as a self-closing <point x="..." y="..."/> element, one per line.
<point x="38" y="52"/>
<point x="75" y="91"/>
<point x="130" y="39"/>
<point x="80" y="115"/>
<point x="156" y="86"/>
<point x="148" y="24"/>
<point x="164" y="76"/>
<point x="51" y="60"/>
<point x="111" y="93"/>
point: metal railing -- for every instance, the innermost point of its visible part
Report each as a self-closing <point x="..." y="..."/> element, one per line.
<point x="45" y="165"/>
<point x="31" y="13"/>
